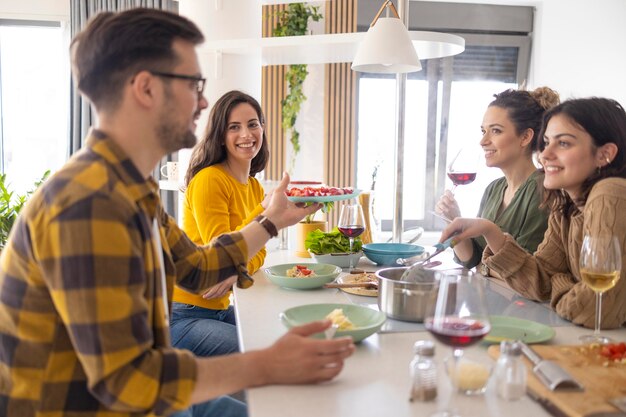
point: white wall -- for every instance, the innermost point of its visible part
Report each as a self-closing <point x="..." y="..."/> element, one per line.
<point x="58" y="10"/>
<point x="310" y="123"/>
<point x="579" y="48"/>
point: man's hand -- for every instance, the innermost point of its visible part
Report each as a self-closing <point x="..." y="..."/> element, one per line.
<point x="297" y="359"/>
<point x="221" y="289"/>
<point x="266" y="200"/>
<point x="283" y="212"/>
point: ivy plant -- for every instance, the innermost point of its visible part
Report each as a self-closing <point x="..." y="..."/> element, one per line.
<point x="294" y="21"/>
<point x="11" y="204"/>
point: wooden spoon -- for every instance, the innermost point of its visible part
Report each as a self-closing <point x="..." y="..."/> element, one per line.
<point x="369" y="284"/>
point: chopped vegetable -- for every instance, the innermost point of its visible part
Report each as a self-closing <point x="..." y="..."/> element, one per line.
<point x="614" y="351"/>
<point x="321" y="243"/>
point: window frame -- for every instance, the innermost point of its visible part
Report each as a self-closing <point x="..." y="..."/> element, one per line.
<point x="439" y="75"/>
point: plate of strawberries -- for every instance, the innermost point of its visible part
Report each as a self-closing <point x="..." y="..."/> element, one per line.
<point x="320" y="194"/>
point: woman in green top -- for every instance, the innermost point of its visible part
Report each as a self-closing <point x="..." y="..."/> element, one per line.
<point x="509" y="135"/>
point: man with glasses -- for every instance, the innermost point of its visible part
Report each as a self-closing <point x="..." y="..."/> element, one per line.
<point x="86" y="276"/>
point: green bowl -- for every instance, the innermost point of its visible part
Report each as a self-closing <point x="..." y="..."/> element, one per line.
<point x="324" y="273"/>
<point x="366" y="320"/>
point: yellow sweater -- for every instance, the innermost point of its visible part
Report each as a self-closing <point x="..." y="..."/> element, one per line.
<point x="216" y="203"/>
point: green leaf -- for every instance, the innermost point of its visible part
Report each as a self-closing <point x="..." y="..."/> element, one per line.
<point x="321" y="243"/>
<point x="11" y="205"/>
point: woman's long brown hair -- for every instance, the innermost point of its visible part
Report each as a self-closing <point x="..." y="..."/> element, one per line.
<point x="211" y="150"/>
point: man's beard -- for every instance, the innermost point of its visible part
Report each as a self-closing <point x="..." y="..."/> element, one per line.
<point x="171" y="135"/>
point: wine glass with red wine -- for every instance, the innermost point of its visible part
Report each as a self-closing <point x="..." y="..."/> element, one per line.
<point x="463" y="167"/>
<point x="460" y="320"/>
<point x="351" y="223"/>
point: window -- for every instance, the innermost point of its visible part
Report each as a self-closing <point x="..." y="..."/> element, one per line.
<point x="34" y="100"/>
<point x="445" y="103"/>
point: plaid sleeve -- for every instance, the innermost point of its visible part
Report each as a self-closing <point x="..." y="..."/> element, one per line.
<point x="201" y="267"/>
<point x="96" y="255"/>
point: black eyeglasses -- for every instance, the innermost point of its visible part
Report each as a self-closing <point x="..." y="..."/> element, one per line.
<point x="199" y="81"/>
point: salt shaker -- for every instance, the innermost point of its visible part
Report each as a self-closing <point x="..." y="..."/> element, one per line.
<point x="423" y="371"/>
<point x="510" y="371"/>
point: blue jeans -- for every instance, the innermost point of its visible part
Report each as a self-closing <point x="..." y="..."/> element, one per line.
<point x="219" y="407"/>
<point x="203" y="331"/>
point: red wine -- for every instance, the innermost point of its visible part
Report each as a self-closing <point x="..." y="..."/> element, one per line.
<point x="462" y="178"/>
<point x="352" y="230"/>
<point x="457" y="332"/>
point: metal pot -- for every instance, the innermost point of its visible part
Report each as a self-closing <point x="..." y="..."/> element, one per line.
<point x="404" y="300"/>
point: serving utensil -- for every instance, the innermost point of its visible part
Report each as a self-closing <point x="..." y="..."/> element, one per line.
<point x="414" y="272"/>
<point x="619" y="402"/>
<point x="550" y="373"/>
<point x="329" y="333"/>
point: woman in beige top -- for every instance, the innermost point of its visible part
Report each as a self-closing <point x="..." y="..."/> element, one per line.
<point x="583" y="155"/>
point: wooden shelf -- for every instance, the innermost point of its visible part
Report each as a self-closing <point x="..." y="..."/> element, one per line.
<point x="329" y="48"/>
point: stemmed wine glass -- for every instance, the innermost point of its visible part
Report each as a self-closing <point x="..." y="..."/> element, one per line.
<point x="460" y="319"/>
<point x="351" y="224"/>
<point x="600" y="264"/>
<point x="463" y="167"/>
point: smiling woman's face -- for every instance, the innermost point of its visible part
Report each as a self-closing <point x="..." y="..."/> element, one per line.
<point x="569" y="156"/>
<point x="501" y="144"/>
<point x="244" y="135"/>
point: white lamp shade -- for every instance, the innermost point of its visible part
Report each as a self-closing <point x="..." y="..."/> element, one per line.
<point x="387" y="48"/>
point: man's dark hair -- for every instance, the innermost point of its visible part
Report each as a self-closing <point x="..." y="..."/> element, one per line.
<point x="115" y="46"/>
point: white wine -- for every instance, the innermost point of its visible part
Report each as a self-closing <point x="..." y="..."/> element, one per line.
<point x="599" y="281"/>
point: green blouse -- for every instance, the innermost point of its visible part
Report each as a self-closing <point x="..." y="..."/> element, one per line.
<point x="522" y="219"/>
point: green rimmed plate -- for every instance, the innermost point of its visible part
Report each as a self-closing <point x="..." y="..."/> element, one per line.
<point x="324" y="273"/>
<point x="512" y="328"/>
<point x="366" y="320"/>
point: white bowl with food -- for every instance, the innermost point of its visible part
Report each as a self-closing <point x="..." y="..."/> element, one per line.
<point x="340" y="259"/>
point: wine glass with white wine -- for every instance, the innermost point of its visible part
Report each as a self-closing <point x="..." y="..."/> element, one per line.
<point x="600" y="265"/>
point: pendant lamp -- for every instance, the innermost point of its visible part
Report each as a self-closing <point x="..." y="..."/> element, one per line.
<point x="387" y="46"/>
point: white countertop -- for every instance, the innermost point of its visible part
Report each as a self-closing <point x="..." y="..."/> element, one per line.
<point x="375" y="379"/>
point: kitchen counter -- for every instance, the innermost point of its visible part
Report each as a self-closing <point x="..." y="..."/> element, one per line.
<point x="375" y="379"/>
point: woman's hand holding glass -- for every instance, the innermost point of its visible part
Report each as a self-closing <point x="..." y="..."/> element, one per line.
<point x="447" y="206"/>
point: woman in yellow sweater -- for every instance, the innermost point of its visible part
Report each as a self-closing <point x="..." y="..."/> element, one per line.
<point x="222" y="195"/>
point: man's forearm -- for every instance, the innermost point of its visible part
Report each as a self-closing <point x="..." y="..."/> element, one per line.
<point x="222" y="375"/>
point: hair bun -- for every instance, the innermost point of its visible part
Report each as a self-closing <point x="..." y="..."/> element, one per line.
<point x="545" y="97"/>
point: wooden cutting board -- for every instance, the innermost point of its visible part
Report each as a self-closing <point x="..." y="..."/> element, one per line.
<point x="602" y="380"/>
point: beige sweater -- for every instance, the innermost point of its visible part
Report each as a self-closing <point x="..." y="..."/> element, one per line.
<point x="552" y="273"/>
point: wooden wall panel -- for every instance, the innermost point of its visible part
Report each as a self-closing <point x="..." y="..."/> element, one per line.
<point x="273" y="90"/>
<point x="340" y="107"/>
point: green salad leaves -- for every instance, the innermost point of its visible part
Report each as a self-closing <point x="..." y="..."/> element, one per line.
<point x="321" y="243"/>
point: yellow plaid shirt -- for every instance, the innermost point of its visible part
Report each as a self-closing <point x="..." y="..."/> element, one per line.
<point x="83" y="322"/>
